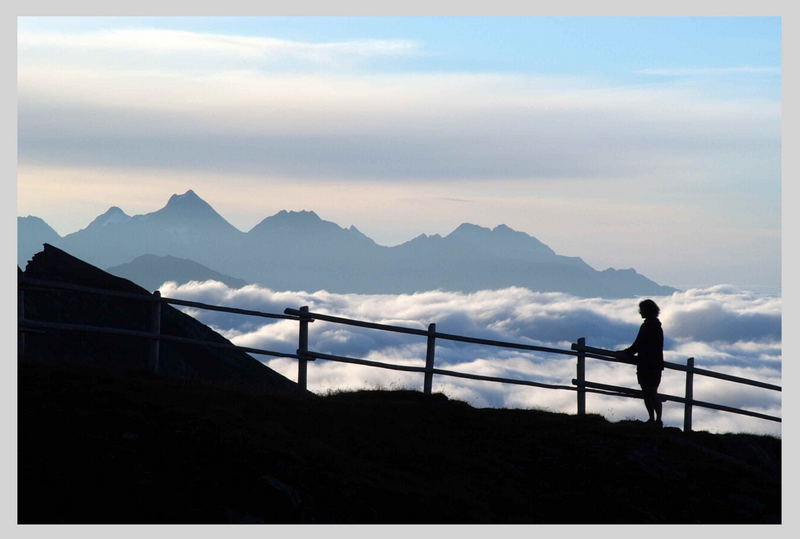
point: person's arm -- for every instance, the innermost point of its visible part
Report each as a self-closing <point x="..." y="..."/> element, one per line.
<point x="628" y="352"/>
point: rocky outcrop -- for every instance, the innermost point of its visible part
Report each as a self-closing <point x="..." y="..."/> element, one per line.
<point x="209" y="364"/>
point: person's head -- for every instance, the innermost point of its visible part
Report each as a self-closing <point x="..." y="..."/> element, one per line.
<point x="648" y="309"/>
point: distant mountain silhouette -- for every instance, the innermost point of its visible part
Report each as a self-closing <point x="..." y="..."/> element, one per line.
<point x="32" y="233"/>
<point x="151" y="271"/>
<point x="187" y="227"/>
<point x="112" y="216"/>
<point x="188" y="361"/>
<point x="297" y="250"/>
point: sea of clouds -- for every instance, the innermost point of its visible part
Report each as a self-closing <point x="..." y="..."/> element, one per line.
<point x="726" y="329"/>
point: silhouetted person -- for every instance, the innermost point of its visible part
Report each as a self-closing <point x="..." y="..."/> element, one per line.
<point x="649" y="350"/>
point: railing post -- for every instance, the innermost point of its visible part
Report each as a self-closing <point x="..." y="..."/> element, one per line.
<point x="302" y="350"/>
<point x="581" y="372"/>
<point x="687" y="409"/>
<point x="429" y="358"/>
<point x="155" y="328"/>
<point x="20" y="318"/>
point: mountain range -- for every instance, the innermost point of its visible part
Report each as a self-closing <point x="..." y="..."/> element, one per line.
<point x="297" y="250"/>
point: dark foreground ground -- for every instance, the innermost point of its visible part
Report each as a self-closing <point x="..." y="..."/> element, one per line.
<point x="104" y="447"/>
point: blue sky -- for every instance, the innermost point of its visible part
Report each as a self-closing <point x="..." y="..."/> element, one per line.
<point x="651" y="143"/>
<point x="618" y="48"/>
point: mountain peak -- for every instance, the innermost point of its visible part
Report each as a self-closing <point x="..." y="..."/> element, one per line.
<point x="35" y="231"/>
<point x="297" y="216"/>
<point x="472" y="229"/>
<point x="189" y="198"/>
<point x="288" y="226"/>
<point x="468" y="230"/>
<point x="301" y="220"/>
<point x="32" y="219"/>
<point x="113" y="215"/>
<point x="499" y="241"/>
<point x="189" y="205"/>
<point x="188" y="212"/>
<point x="352" y="229"/>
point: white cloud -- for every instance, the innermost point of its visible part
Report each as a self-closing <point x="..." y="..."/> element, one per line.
<point x="159" y="46"/>
<point x="520" y="315"/>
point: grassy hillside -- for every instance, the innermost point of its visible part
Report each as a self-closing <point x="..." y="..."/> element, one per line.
<point x="106" y="447"/>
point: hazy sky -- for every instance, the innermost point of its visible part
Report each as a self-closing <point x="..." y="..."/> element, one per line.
<point x="651" y="143"/>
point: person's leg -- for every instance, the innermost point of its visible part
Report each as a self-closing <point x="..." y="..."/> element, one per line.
<point x="656" y="398"/>
<point x="641" y="377"/>
<point x="649" y="403"/>
<point x="657" y="404"/>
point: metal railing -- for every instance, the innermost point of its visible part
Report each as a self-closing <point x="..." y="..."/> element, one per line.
<point x="303" y="354"/>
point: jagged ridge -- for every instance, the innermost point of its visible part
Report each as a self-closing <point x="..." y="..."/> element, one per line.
<point x="299" y="250"/>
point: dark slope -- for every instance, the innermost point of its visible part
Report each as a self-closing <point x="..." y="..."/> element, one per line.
<point x="151" y="271"/>
<point x="98" y="447"/>
<point x="212" y="365"/>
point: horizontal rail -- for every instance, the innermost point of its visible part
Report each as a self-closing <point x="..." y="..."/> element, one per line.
<point x="629" y="392"/>
<point x="596" y="353"/>
<point x="737" y="379"/>
<point x="501" y="380"/>
<point x="425" y="333"/>
<point x="27" y="325"/>
<point x="227" y="309"/>
<point x="366" y="362"/>
<point x="24" y="329"/>
<point x="612" y="359"/>
<point x="359" y="323"/>
<point x="504" y="344"/>
<point x="38" y="283"/>
<point x="28" y="283"/>
<point x="33" y="324"/>
<point x="444" y="372"/>
<point x="609" y="355"/>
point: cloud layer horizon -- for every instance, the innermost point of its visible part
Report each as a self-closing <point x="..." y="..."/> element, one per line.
<point x="724" y="328"/>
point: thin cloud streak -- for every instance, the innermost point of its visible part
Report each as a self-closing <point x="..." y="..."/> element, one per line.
<point x="690" y="71"/>
<point x="411" y="127"/>
<point x="156" y="43"/>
